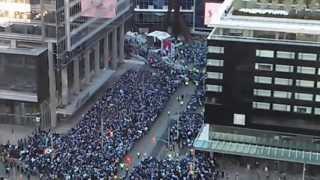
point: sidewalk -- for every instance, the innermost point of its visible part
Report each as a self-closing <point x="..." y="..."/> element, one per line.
<point x="14" y="132"/>
<point x="64" y="126"/>
<point x="232" y="169"/>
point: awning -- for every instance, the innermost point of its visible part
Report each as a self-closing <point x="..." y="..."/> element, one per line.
<point x="160" y="35"/>
<point x="258" y="151"/>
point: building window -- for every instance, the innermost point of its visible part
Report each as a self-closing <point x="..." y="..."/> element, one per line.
<point x="303" y="96"/>
<point x="239" y="119"/>
<point x="261" y="105"/>
<point x="281" y="107"/>
<point x="213" y="88"/>
<point x="264" y="53"/>
<point x="317" y="98"/>
<point x="302" y="109"/>
<point x="282" y="94"/>
<point x="283" y="81"/>
<point x="216" y="49"/>
<point x="284" y="68"/>
<point x="306" y="70"/>
<point x="317" y="111"/>
<point x="285" y="55"/>
<point x="262" y="92"/>
<point x="263" y="67"/>
<point x="214" y="62"/>
<point x="214" y="75"/>
<point x="308" y="56"/>
<point x="304" y="83"/>
<point x="262" y="79"/>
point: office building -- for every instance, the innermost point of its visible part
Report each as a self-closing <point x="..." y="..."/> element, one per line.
<point x="54" y="57"/>
<point x="263" y="81"/>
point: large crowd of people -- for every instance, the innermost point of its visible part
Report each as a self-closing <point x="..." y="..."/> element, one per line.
<point x="124" y="113"/>
<point x="186" y="128"/>
<point x="198" y="166"/>
<point x="95" y="147"/>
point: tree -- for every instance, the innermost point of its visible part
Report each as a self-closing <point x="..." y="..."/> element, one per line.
<point x="176" y="21"/>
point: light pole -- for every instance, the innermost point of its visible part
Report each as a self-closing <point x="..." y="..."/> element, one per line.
<point x="303" y="171"/>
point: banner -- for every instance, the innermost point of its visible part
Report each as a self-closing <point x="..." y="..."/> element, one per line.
<point x="99" y="8"/>
<point x="211" y="11"/>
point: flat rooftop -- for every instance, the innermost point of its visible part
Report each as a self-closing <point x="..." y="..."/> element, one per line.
<point x="249" y="19"/>
<point x="289" y="9"/>
<point x="257" y="34"/>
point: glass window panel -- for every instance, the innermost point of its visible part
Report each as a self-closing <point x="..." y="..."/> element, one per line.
<point x="283" y="81"/>
<point x="285" y="54"/>
<point x="263" y="79"/>
<point x="306" y="70"/>
<point x="302" y="109"/>
<point x="282" y="94"/>
<point x="281" y="107"/>
<point x="215" y="49"/>
<point x="303" y="96"/>
<point x="261" y="105"/>
<point x="262" y="92"/>
<point x="284" y="68"/>
<point x="214" y="75"/>
<point x="264" y="67"/>
<point x="304" y="83"/>
<point x="214" y="88"/>
<point x="317" y="111"/>
<point x="215" y="62"/>
<point x="308" y="56"/>
<point x="264" y="53"/>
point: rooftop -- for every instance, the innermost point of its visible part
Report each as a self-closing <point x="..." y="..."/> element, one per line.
<point x="291" y="9"/>
<point x="246" y="20"/>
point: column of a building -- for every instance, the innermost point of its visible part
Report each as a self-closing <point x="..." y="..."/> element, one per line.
<point x="121" y="43"/>
<point x="97" y="57"/>
<point x="76" y="76"/>
<point x="114" y="61"/>
<point x="17" y="113"/>
<point x="87" y="66"/>
<point x="64" y="86"/>
<point x="106" y="51"/>
<point x="13" y="43"/>
<point x="2" y="64"/>
<point x="52" y="88"/>
<point x="23" y="110"/>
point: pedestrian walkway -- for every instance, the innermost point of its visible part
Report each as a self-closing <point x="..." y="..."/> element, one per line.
<point x="64" y="126"/>
<point x="233" y="170"/>
<point x="2" y="170"/>
<point x="153" y="143"/>
<point x="13" y="133"/>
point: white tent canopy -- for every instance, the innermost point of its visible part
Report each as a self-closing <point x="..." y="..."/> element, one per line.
<point x="160" y="35"/>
